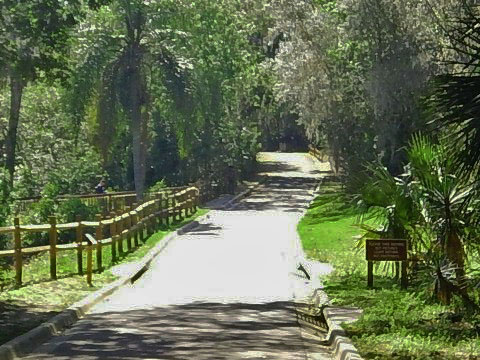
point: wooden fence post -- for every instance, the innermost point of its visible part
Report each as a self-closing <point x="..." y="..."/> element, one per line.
<point x="128" y="225"/>
<point x="89" y="264"/>
<point x="99" y="237"/>
<point x="154" y="208"/>
<point x="160" y="209"/>
<point x="185" y="203"/>
<point x="119" y="232"/>
<point x="192" y="198"/>
<point x="158" y="215"/>
<point x="179" y="205"/>
<point x="79" y="239"/>
<point x="135" y="224"/>
<point x="148" y="221"/>
<point x="53" y="247"/>
<point x="167" y="212"/>
<point x="370" y="274"/>
<point x="146" y="214"/>
<point x="113" y="232"/>
<point x="141" y="224"/>
<point x="180" y="201"/>
<point x="190" y="202"/>
<point x="196" y="200"/>
<point x="174" y="208"/>
<point x="18" y="252"/>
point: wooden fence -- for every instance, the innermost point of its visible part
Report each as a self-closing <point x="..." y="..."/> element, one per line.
<point x="107" y="202"/>
<point x="133" y="224"/>
<point x="319" y="154"/>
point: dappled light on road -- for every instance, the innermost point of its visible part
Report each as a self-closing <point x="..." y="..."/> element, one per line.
<point x="197" y="330"/>
<point x="227" y="289"/>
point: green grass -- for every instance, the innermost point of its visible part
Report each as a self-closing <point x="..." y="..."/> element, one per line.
<point x="37" y="269"/>
<point x="41" y="298"/>
<point x="396" y="324"/>
<point x="328" y="228"/>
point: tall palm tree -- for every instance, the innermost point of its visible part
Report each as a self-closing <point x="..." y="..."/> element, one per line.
<point x="122" y="64"/>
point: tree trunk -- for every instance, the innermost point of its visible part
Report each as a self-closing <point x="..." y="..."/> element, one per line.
<point x="455" y="253"/>
<point x="442" y="289"/>
<point x="16" y="91"/>
<point x="137" y="128"/>
<point x="133" y="103"/>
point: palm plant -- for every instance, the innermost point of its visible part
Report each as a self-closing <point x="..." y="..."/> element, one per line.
<point x="117" y="67"/>
<point x="450" y="206"/>
<point x="387" y="200"/>
<point x="456" y="97"/>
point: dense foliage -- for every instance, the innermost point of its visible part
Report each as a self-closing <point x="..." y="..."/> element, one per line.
<point x="133" y="91"/>
<point x="175" y="91"/>
<point x="372" y="76"/>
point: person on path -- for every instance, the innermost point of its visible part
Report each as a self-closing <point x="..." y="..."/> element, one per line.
<point x="101" y="188"/>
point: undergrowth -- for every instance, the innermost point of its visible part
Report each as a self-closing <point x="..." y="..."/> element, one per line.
<point x="396" y="324"/>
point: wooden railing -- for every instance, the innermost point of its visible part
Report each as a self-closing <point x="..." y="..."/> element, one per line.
<point x="108" y="201"/>
<point x="209" y="190"/>
<point x="132" y="224"/>
<point x="319" y="154"/>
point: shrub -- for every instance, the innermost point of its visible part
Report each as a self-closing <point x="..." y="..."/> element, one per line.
<point x="158" y="186"/>
<point x="69" y="209"/>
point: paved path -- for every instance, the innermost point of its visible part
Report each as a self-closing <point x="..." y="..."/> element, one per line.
<point x="226" y="290"/>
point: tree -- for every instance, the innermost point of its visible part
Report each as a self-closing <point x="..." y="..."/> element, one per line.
<point x="33" y="45"/>
<point x="454" y="102"/>
<point x="364" y="66"/>
<point x="133" y="38"/>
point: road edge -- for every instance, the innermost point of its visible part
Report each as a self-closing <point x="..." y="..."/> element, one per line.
<point x="26" y="343"/>
<point x="232" y="202"/>
<point x="337" y="338"/>
<point x="341" y="345"/>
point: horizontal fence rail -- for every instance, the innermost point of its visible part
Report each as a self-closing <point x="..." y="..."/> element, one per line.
<point x="131" y="225"/>
<point x="319" y="154"/>
<point x="107" y="201"/>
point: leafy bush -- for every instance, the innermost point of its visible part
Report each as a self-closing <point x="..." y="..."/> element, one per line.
<point x="69" y="209"/>
<point x="158" y="186"/>
<point x="38" y="213"/>
<point x="47" y="206"/>
<point x="396" y="324"/>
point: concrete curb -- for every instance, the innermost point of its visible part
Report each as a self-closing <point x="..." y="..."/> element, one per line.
<point x="342" y="346"/>
<point x="26" y="343"/>
<point x="336" y="338"/>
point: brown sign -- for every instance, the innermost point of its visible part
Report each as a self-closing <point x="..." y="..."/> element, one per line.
<point x="386" y="250"/>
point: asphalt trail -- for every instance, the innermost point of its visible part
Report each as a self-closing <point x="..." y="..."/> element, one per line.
<point x="225" y="290"/>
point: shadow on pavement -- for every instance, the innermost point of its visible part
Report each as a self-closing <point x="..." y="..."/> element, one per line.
<point x="17" y="317"/>
<point x="288" y="194"/>
<point x="276" y="167"/>
<point x="197" y="330"/>
<point x="205" y="229"/>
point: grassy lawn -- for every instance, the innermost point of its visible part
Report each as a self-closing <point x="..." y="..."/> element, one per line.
<point x="40" y="298"/>
<point x="396" y="324"/>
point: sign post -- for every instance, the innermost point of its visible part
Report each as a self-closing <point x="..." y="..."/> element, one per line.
<point x="386" y="250"/>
